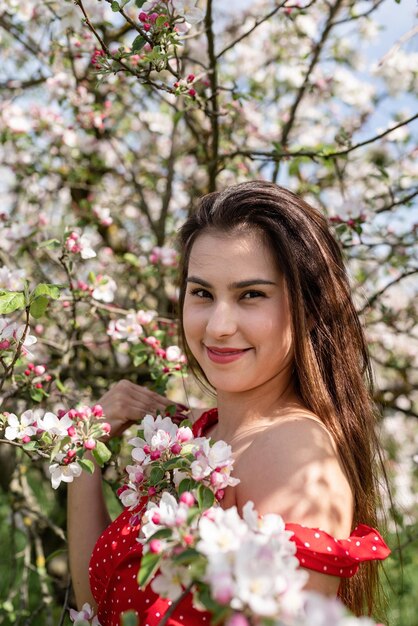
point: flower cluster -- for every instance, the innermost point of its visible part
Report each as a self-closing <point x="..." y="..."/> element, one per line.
<point x="163" y="255"/>
<point x="12" y="333"/>
<point x="64" y="438"/>
<point x="140" y="334"/>
<point x="168" y="457"/>
<point x="130" y="328"/>
<point x="191" y="86"/>
<point x="241" y="569"/>
<point x="79" y="244"/>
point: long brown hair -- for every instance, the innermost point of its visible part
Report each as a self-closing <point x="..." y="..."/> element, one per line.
<point x="332" y="372"/>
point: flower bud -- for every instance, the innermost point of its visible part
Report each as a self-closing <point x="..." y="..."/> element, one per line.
<point x="39" y="370"/>
<point x="25" y="439"/>
<point x="27" y="372"/>
<point x="106" y="427"/>
<point x="97" y="410"/>
<point x="90" y="444"/>
<point x="143" y="16"/>
<point x="156" y="518"/>
<point x="71" y="454"/>
<point x="188" y="540"/>
<point x="152" y="491"/>
<point x="155" y="455"/>
<point x="156" y="546"/>
<point x="71" y="431"/>
<point x="176" y="448"/>
<point x="187" y="498"/>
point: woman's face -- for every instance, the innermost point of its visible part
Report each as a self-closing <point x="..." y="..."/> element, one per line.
<point x="236" y="314"/>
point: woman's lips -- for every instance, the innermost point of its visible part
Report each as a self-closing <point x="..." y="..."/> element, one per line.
<point x="224" y="355"/>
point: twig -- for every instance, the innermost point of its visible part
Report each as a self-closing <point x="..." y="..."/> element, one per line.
<point x="381" y="291"/>
<point x="276" y="155"/>
<point x="174" y="605"/>
<point x="9" y="369"/>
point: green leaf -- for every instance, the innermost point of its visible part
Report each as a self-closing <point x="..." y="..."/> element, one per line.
<point x="161" y="20"/>
<point x="11" y="301"/>
<point x="205" y="497"/>
<point x="139" y="3"/>
<point x="139" y="359"/>
<point x="50" y="243"/>
<point x="86" y="465"/>
<point x="138" y="43"/>
<point x="31" y="445"/>
<point x="187" y="556"/>
<point x="129" y="618"/>
<point x="39" y="306"/>
<point x="115" y="6"/>
<point x="171" y="463"/>
<point x="46" y="289"/>
<point x="37" y="395"/>
<point x="187" y="484"/>
<point x="164" y="533"/>
<point x="60" y="386"/>
<point x="101" y="453"/>
<point x="149" y="564"/>
<point x="132" y="259"/>
<point x="156" y="476"/>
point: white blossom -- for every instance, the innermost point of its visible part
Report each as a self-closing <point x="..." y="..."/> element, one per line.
<point x="63" y="473"/>
<point x="171" y="581"/>
<point x="54" y="425"/>
<point x="20" y="428"/>
<point x="105" y="289"/>
<point x="189" y="10"/>
<point x="86" y="251"/>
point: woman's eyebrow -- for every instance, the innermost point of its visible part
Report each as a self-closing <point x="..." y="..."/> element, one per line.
<point x="238" y="285"/>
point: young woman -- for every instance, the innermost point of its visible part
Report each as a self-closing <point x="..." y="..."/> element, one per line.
<point x="269" y="326"/>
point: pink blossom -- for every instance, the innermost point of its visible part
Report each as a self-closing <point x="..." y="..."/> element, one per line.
<point x="184" y="434"/>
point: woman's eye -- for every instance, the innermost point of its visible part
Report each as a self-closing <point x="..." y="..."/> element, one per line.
<point x="249" y="295"/>
<point x="200" y="293"/>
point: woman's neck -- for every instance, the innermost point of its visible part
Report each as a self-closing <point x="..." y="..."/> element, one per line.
<point x="252" y="410"/>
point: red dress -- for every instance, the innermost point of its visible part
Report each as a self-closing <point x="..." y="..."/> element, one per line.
<point x="116" y="556"/>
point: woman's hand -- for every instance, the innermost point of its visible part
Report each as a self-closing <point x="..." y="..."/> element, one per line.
<point x="126" y="403"/>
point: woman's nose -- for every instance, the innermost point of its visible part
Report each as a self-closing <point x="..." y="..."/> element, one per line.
<point x="221" y="321"/>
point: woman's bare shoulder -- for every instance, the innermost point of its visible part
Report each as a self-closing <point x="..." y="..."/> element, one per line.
<point x="293" y="468"/>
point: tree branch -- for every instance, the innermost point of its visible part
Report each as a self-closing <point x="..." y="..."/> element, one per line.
<point x="381" y="291"/>
<point x="213" y="99"/>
